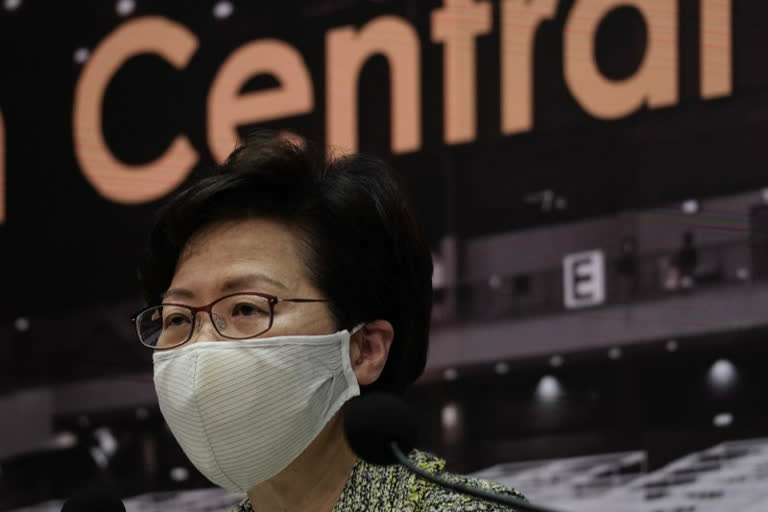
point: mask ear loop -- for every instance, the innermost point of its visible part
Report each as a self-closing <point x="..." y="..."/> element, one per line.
<point x="353" y="331"/>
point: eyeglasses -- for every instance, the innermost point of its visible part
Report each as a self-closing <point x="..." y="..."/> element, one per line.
<point x="237" y="316"/>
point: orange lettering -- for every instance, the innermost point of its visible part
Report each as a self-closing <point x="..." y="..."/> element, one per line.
<point x="227" y="109"/>
<point x="112" y="178"/>
<point x="457" y="25"/>
<point x="715" y="39"/>
<point x="654" y="84"/>
<point x="519" y="21"/>
<point x="347" y="50"/>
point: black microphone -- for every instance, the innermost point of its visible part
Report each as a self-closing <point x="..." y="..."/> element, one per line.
<point x="93" y="501"/>
<point x="380" y="429"/>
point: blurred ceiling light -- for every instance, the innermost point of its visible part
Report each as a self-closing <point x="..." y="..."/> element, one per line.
<point x="99" y="457"/>
<point x="106" y="440"/>
<point x="81" y="55"/>
<point x="179" y="474"/>
<point x="21" y="324"/>
<point x="722" y="374"/>
<point x="223" y="10"/>
<point x="63" y="440"/>
<point x="690" y="206"/>
<point x="12" y="5"/>
<point x="450" y="374"/>
<point x="614" y="353"/>
<point x="548" y="389"/>
<point x="742" y="273"/>
<point x="450" y="416"/>
<point x="125" y="7"/>
<point x="672" y="346"/>
<point x="556" y="361"/>
<point x="722" y="420"/>
<point x="501" y="368"/>
<point x="495" y="281"/>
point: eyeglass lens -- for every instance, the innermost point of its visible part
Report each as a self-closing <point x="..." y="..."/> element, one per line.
<point x="238" y="316"/>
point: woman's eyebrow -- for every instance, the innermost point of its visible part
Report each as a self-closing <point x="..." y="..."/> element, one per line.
<point x="181" y="293"/>
<point x="249" y="280"/>
<point x="230" y="285"/>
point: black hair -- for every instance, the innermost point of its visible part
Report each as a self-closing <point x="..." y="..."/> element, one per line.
<point x="362" y="245"/>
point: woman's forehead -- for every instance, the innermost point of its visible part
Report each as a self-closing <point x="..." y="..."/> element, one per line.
<point x="250" y="252"/>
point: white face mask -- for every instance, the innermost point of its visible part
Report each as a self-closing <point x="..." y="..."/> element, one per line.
<point x="242" y="411"/>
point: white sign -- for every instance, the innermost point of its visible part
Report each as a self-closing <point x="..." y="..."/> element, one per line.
<point x="584" y="279"/>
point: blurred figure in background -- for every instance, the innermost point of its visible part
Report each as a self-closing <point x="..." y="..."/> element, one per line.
<point x="626" y="267"/>
<point x="687" y="260"/>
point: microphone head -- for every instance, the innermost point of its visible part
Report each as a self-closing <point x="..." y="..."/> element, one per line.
<point x="92" y="502"/>
<point x="373" y="421"/>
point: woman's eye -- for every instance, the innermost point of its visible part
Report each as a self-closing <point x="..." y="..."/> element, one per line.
<point x="246" y="309"/>
<point x="175" y="320"/>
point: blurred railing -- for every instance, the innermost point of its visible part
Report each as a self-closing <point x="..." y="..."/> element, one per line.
<point x="649" y="276"/>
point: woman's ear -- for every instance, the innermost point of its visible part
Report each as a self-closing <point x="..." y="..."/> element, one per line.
<point x="368" y="350"/>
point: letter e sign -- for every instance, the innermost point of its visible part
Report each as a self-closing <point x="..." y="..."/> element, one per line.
<point x="584" y="279"/>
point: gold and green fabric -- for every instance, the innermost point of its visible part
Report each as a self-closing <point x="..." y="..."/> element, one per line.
<point x="394" y="489"/>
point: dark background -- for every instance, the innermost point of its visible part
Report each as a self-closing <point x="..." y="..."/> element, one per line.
<point x="62" y="242"/>
<point x="68" y="255"/>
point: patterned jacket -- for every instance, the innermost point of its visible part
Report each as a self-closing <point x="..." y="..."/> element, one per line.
<point x="394" y="489"/>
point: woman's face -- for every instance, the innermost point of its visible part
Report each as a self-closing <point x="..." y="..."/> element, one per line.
<point x="254" y="255"/>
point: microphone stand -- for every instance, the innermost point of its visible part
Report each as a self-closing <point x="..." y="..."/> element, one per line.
<point x="516" y="503"/>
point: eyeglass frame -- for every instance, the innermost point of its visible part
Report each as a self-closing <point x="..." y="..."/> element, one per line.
<point x="272" y="300"/>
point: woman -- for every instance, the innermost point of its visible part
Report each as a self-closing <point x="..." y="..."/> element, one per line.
<point x="285" y="284"/>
